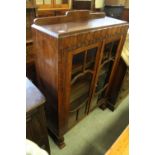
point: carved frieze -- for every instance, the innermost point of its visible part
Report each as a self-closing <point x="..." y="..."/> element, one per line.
<point x="76" y="41"/>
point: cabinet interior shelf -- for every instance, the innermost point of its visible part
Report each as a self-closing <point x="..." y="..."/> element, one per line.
<point x="78" y="89"/>
<point x="79" y="103"/>
<point x="79" y="93"/>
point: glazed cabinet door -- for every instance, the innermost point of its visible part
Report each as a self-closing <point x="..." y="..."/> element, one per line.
<point x="106" y="65"/>
<point x="82" y="73"/>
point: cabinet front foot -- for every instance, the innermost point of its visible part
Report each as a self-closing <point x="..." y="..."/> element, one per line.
<point x="59" y="141"/>
<point x="103" y="107"/>
<point x="111" y="106"/>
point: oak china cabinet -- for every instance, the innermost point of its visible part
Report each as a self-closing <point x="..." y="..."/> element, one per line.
<point x="76" y="56"/>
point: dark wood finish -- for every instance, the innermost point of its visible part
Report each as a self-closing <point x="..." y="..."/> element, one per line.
<point x="70" y="52"/>
<point x="106" y="90"/>
<point x="117" y="83"/>
<point x="120" y="74"/>
<point x="30" y="15"/>
<point x="35" y="117"/>
<point x="115" y="11"/>
<point x="59" y="30"/>
<point x="119" y="12"/>
<point x="31" y="72"/>
<point x="83" y="4"/>
<point x="58" y="140"/>
<point x="29" y="52"/>
<point x="30" y="66"/>
<point x="125" y="15"/>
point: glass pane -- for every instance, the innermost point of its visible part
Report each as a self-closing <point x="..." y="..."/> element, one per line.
<point x="77" y="64"/>
<point x="72" y="119"/>
<point x="80" y="91"/>
<point x="91" y="57"/>
<point x="109" y="69"/>
<point x="94" y="102"/>
<point x="98" y="99"/>
<point x="104" y="75"/>
<point x="101" y="82"/>
<point x="106" y="52"/>
<point x="114" y="49"/>
<point x="101" y="96"/>
<point x="110" y="50"/>
<point x="82" y="112"/>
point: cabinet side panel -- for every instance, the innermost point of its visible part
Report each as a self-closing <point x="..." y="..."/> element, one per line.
<point x="46" y="62"/>
<point x="64" y="65"/>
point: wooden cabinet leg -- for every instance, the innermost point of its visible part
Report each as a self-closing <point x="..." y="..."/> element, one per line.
<point x="103" y="106"/>
<point x="58" y="140"/>
<point x="111" y="106"/>
<point x="107" y="104"/>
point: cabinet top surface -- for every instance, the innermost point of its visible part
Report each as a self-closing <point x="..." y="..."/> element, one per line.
<point x="63" y="29"/>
